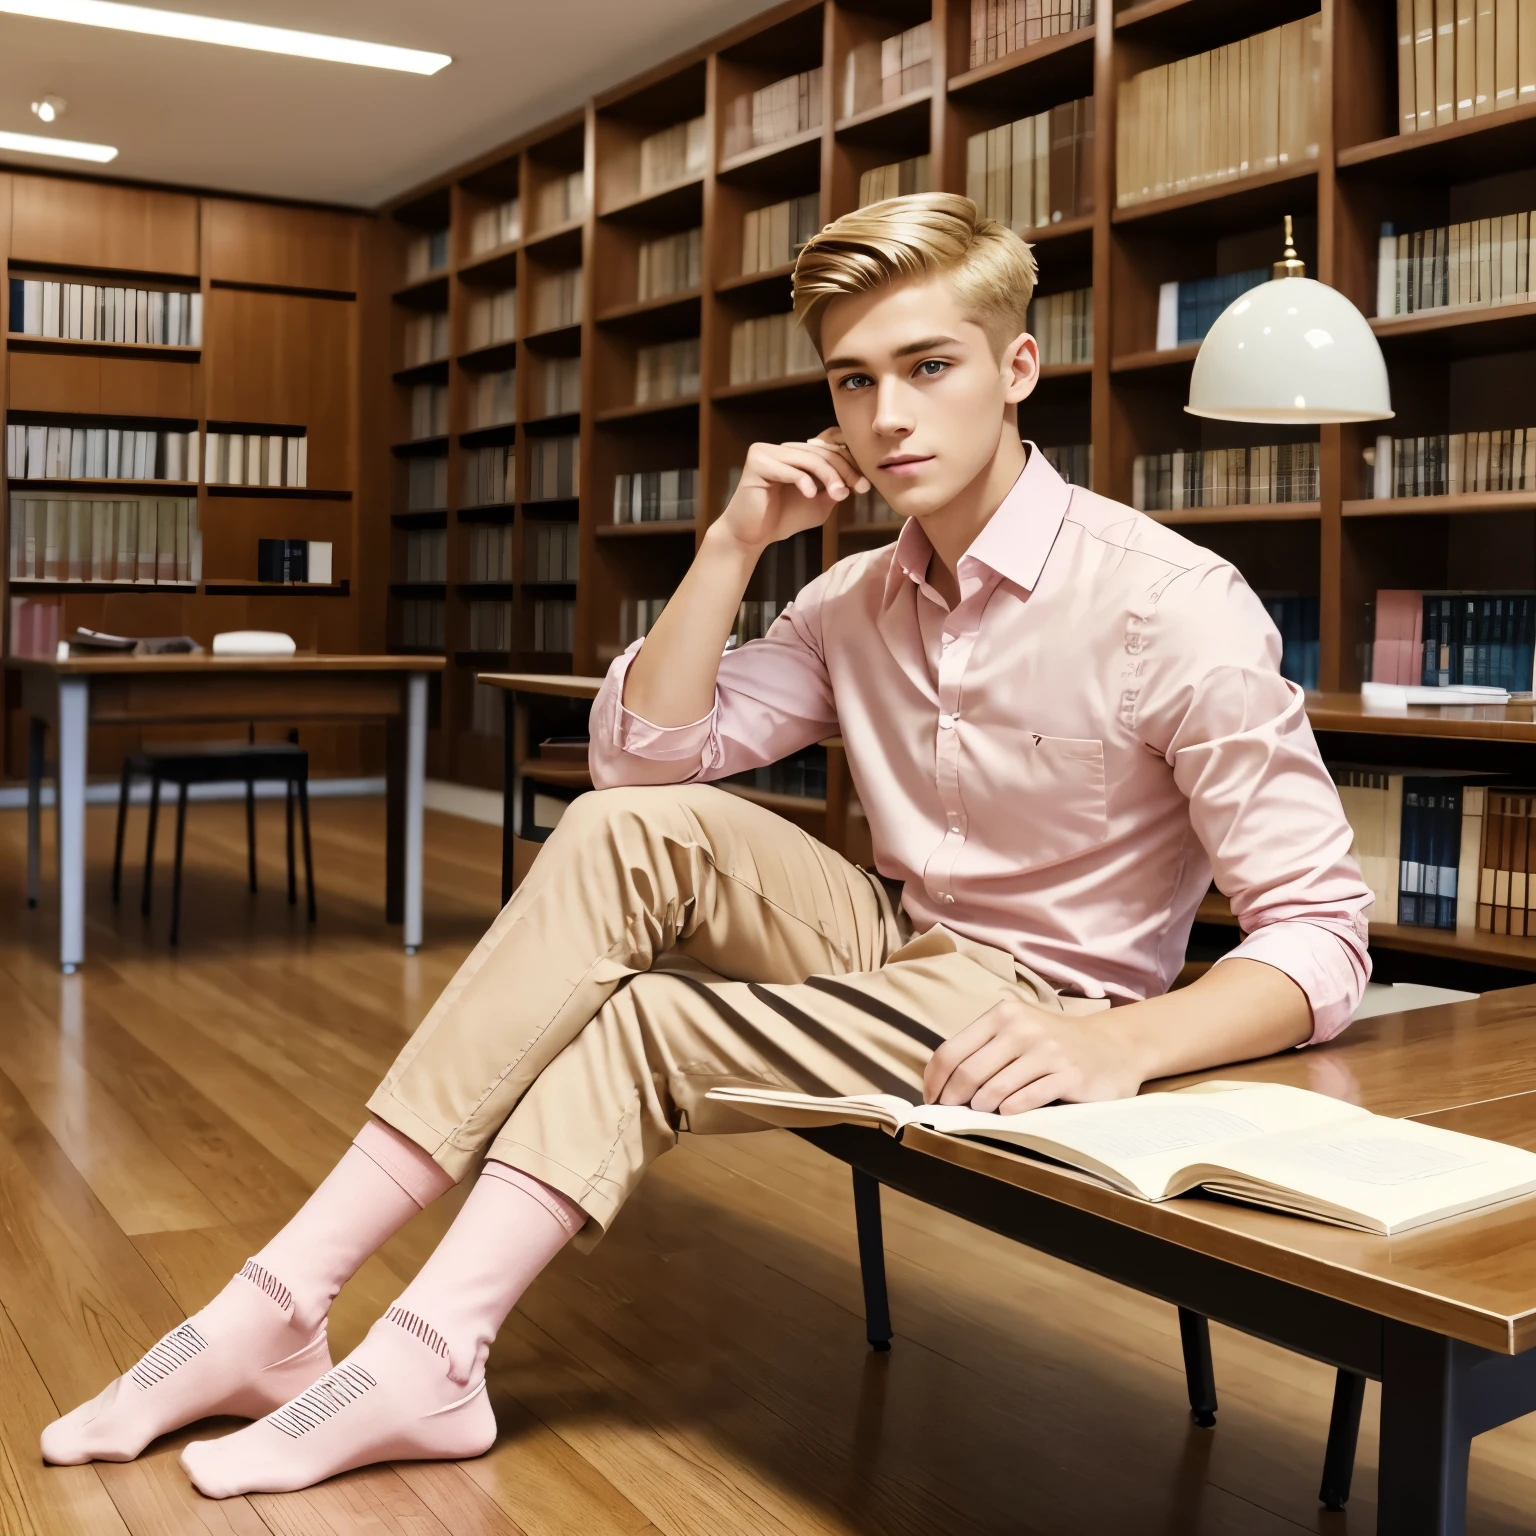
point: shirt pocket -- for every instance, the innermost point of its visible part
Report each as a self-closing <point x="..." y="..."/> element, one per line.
<point x="1036" y="800"/>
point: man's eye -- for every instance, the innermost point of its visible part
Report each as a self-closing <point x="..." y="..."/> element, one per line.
<point x="932" y="367"/>
<point x="855" y="381"/>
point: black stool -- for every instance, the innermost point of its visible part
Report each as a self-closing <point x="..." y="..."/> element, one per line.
<point x="235" y="763"/>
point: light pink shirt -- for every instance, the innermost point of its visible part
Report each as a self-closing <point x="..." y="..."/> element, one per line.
<point x="1057" y="765"/>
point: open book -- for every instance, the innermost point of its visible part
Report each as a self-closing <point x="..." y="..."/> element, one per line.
<point x="1264" y="1143"/>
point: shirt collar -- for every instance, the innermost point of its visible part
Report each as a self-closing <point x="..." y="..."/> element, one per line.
<point x="1016" y="539"/>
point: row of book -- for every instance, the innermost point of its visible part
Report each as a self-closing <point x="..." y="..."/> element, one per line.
<point x="35" y="626"/>
<point x="295" y="562"/>
<point x="1062" y="325"/>
<point x="803" y="775"/>
<point x="554" y="468"/>
<point x="257" y="458"/>
<point x="424" y="339"/>
<point x="636" y="616"/>
<point x="426" y="484"/>
<point x="152" y="317"/>
<point x="490" y="626"/>
<point x="656" y="496"/>
<point x="40" y="452"/>
<point x="559" y="387"/>
<point x="425" y="254"/>
<point x="491" y="228"/>
<point x="770" y="347"/>
<point x="1446" y="639"/>
<point x="493" y="402"/>
<point x="557" y="299"/>
<point x="1462" y="59"/>
<point x="554" y="554"/>
<point x="118" y="539"/>
<point x="886" y="69"/>
<point x="1472" y="264"/>
<point x="560" y="200"/>
<point x="1001" y="27"/>
<point x="774" y="112"/>
<point x="490" y="476"/>
<point x="490" y="552"/>
<point x="424" y="624"/>
<point x="492" y="318"/>
<point x="754" y="618"/>
<point x="1072" y="461"/>
<point x="673" y="154"/>
<point x="671" y="264"/>
<point x="1506" y="884"/>
<point x="1452" y="463"/>
<point x="667" y="370"/>
<point x="1241" y="110"/>
<point x="426" y="554"/>
<point x="1187" y="310"/>
<point x="1296" y="617"/>
<point x="554" y="626"/>
<point x="429" y="411"/>
<point x="1224" y="477"/>
<point x="902" y="178"/>
<point x="772" y="237"/>
<point x="487" y="711"/>
<point x="1035" y="171"/>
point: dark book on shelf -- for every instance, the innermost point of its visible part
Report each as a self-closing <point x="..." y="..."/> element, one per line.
<point x="282" y="560"/>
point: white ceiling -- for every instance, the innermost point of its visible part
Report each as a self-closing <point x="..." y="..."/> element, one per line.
<point x="227" y="118"/>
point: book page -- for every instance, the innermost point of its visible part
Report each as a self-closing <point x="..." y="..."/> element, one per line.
<point x="785" y="1107"/>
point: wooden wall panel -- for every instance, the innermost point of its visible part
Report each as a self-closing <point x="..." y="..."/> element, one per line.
<point x="146" y="386"/>
<point x="283" y="247"/>
<point x="233" y="524"/>
<point x="96" y="224"/>
<point x="285" y="358"/>
<point x="51" y="381"/>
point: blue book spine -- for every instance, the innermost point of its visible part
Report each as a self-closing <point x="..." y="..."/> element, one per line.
<point x="17" y="320"/>
<point x="1450" y="853"/>
<point x="1408" y="861"/>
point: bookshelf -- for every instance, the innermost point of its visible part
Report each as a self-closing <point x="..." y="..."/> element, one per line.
<point x="277" y="287"/>
<point x="1450" y="370"/>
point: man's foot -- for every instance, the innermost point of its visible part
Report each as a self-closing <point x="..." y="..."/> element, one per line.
<point x="242" y="1354"/>
<point x="391" y="1399"/>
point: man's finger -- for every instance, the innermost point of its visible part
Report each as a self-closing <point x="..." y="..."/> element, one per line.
<point x="980" y="1067"/>
<point x="1038" y="1064"/>
<point x="955" y="1050"/>
<point x="1036" y="1095"/>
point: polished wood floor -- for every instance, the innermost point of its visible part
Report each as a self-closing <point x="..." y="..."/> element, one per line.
<point x="703" y="1373"/>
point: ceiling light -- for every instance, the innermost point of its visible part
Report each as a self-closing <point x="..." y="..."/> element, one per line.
<point x="50" y="108"/>
<point x="231" y="34"/>
<point x="63" y="149"/>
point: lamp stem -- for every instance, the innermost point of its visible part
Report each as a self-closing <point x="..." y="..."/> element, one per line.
<point x="1289" y="265"/>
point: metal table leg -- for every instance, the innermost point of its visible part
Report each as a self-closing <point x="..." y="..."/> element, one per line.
<point x="74" y="717"/>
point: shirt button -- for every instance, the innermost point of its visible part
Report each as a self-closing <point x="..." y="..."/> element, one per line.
<point x="947" y="722"/>
<point x="954" y="823"/>
<point x="947" y="899"/>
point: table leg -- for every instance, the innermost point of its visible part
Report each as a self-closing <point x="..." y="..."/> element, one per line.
<point x="36" y="736"/>
<point x="1425" y="1440"/>
<point x="74" y="716"/>
<point x="508" y="791"/>
<point x="415" y="796"/>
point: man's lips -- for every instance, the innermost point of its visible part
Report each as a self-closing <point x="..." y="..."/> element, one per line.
<point x="906" y="464"/>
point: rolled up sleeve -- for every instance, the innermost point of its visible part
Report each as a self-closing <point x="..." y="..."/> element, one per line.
<point x="772" y="698"/>
<point x="1261" y="801"/>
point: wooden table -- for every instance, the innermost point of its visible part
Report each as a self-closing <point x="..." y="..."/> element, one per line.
<point x="1443" y="1317"/>
<point x="208" y="689"/>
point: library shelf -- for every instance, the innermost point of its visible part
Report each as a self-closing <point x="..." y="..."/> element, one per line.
<point x="903" y="121"/>
<point x="649" y="530"/>
<point x="1236" y="202"/>
<point x="783" y="159"/>
<point x="1466" y="330"/>
<point x="433" y="371"/>
<point x="789" y="387"/>
<point x="1166" y="357"/>
<point x="480" y="589"/>
<point x="547" y="426"/>
<point x="1064" y="64"/>
<point x="557" y="340"/>
<point x="238" y="587"/>
<point x="673" y="203"/>
<point x="559" y="245"/>
<point x="428" y="519"/>
<point x="1434" y="506"/>
<point x="490" y="357"/>
<point x="660" y="314"/>
<point x="773" y="800"/>
<point x="480" y="659"/>
<point x="1347" y="713"/>
<point x="420" y="447"/>
<point x="1196" y="25"/>
<point x="551" y="508"/>
<point x="1061" y="373"/>
<point x="429" y="292"/>
<point x="65" y="585"/>
<point x="489" y="512"/>
<point x="488" y="436"/>
<point x="548" y="586"/>
<point x="185" y="486"/>
<point x="642" y="410"/>
<point x="1485" y="145"/>
<point x="279" y="492"/>
<point x="1266" y="512"/>
<point x="418" y="589"/>
<point x="752" y="279"/>
<point x="491" y="266"/>
<point x="18" y="341"/>
<point x="1062" y="230"/>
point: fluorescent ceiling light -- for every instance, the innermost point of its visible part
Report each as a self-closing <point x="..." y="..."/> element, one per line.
<point x="64" y="149"/>
<point x="231" y="34"/>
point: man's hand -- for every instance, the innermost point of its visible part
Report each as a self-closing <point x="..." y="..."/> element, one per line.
<point x="786" y="488"/>
<point x="1017" y="1057"/>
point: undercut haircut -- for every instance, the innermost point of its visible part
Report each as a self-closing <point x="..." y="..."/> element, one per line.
<point x="929" y="234"/>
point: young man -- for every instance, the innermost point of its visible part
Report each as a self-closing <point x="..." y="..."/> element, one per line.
<point x="1060" y="718"/>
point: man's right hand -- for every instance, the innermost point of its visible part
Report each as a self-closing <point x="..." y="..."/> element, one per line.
<point x="786" y="488"/>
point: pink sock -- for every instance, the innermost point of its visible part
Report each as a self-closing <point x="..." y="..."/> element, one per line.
<point x="414" y="1389"/>
<point x="262" y="1339"/>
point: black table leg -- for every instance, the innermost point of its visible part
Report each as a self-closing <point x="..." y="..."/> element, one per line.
<point x="37" y="732"/>
<point x="1343" y="1436"/>
<point x="1199" y="1372"/>
<point x="508" y="790"/>
<point x="866" y="1216"/>
<point x="1425" y="1440"/>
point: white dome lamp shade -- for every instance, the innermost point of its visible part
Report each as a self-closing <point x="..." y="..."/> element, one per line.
<point x="1291" y="352"/>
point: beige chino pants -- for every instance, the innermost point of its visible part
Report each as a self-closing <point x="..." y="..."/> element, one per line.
<point x="668" y="941"/>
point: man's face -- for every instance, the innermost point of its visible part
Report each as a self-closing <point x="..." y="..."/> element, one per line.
<point x="920" y="393"/>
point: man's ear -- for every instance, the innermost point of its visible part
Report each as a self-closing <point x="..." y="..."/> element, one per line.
<point x="1020" y="367"/>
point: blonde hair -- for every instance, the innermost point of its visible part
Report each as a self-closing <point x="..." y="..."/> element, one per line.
<point x="902" y="238"/>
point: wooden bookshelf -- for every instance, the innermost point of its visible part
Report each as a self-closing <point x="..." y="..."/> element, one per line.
<point x="282" y="344"/>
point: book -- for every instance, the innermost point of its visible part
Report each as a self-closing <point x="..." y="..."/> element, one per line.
<point x="1266" y="1144"/>
<point x="770" y="347"/>
<point x="670" y="264"/>
<point x="1001" y="27"/>
<point x="91" y="312"/>
<point x="1187" y="310"/>
<point x="1257" y="476"/>
<point x="1035" y="171"/>
<point x="902" y="178"/>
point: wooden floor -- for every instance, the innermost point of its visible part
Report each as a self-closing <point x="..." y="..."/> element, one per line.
<point x="703" y="1373"/>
